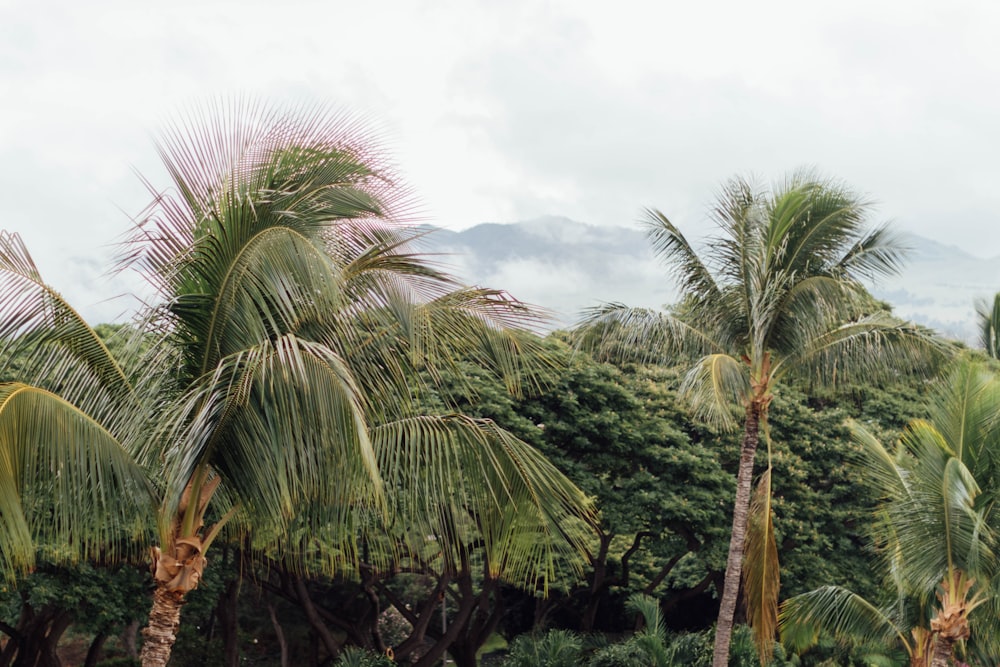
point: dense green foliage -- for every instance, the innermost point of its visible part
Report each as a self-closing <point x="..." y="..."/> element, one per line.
<point x="391" y="464"/>
<point x="776" y="294"/>
<point x="625" y="438"/>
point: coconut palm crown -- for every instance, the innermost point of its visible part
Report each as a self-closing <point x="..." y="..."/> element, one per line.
<point x="274" y="385"/>
<point x="778" y="291"/>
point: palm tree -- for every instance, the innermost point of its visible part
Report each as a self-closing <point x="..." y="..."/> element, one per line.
<point x="279" y="390"/>
<point x="778" y="292"/>
<point x="988" y="318"/>
<point x="936" y="534"/>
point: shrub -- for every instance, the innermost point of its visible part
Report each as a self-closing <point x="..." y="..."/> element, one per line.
<point x="556" y="648"/>
<point x="359" y="657"/>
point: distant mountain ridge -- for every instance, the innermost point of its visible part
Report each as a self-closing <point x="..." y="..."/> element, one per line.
<point x="566" y="266"/>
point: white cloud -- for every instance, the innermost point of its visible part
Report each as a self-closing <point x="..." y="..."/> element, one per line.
<point x="502" y="111"/>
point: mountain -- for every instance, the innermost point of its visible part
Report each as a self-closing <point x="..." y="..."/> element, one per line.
<point x="556" y="263"/>
<point x="939" y="286"/>
<point x="566" y="266"/>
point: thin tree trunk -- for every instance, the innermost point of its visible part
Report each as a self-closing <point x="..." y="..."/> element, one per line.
<point x="315" y="622"/>
<point x="741" y="509"/>
<point x="129" y="639"/>
<point x="48" y="656"/>
<point x="278" y="632"/>
<point x="467" y="602"/>
<point x="226" y="611"/>
<point x="597" y="587"/>
<point x="96" y="646"/>
<point x="161" y="632"/>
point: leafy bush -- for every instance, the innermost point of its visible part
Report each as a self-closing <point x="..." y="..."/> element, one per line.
<point x="693" y="648"/>
<point x="556" y="648"/>
<point x="359" y="657"/>
<point x="627" y="654"/>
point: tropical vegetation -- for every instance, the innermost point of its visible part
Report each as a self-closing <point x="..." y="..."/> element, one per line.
<point x="778" y="292"/>
<point x="272" y="385"/>
<point x="936" y="534"/>
<point x="386" y="466"/>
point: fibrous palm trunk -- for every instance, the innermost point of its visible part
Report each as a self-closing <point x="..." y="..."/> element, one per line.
<point x="164" y="619"/>
<point x="951" y="624"/>
<point x="741" y="510"/>
<point x="176" y="573"/>
<point x="943" y="651"/>
<point x="177" y="570"/>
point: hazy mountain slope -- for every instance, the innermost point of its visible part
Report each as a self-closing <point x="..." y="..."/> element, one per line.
<point x="561" y="265"/>
<point x="939" y="286"/>
<point x="566" y="266"/>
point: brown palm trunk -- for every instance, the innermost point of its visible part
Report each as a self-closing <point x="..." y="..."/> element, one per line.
<point x="161" y="632"/>
<point x="741" y="509"/>
<point x="943" y="650"/>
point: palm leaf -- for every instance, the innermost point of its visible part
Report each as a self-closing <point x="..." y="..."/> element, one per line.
<point x="988" y="318"/>
<point x="873" y="347"/>
<point x="466" y="480"/>
<point x="67" y="479"/>
<point x="676" y="253"/>
<point x="617" y="331"/>
<point x="652" y="639"/>
<point x="760" y="570"/>
<point x="713" y="386"/>
<point x="881" y="253"/>
<point x="282" y="424"/>
<point x="38" y="327"/>
<point x="844" y="614"/>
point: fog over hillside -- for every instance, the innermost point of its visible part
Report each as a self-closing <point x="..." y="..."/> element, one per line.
<point x="567" y="266"/>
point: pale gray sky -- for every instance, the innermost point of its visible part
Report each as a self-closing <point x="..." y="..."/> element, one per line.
<point x="508" y="110"/>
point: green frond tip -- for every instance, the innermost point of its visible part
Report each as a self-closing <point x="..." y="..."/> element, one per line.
<point x="988" y="319"/>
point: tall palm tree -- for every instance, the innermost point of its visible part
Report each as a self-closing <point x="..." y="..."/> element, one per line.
<point x="778" y="292"/>
<point x="936" y="534"/>
<point x="278" y="391"/>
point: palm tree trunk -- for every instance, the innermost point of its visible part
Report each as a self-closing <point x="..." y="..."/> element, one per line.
<point x="741" y="509"/>
<point x="943" y="650"/>
<point x="161" y="632"/>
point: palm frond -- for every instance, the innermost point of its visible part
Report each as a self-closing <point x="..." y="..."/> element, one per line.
<point x="673" y="249"/>
<point x="988" y="319"/>
<point x="652" y="639"/>
<point x="843" y="614"/>
<point x="740" y="214"/>
<point x="68" y="480"/>
<point x="459" y="480"/>
<point x="38" y="326"/>
<point x="815" y="223"/>
<point x="282" y="424"/>
<point x="882" y="468"/>
<point x="880" y="254"/>
<point x="617" y="331"/>
<point x="760" y="570"/>
<point x="714" y="386"/>
<point x="871" y="348"/>
<point x="963" y="411"/>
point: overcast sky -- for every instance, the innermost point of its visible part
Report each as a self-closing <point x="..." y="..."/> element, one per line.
<point x="508" y="110"/>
